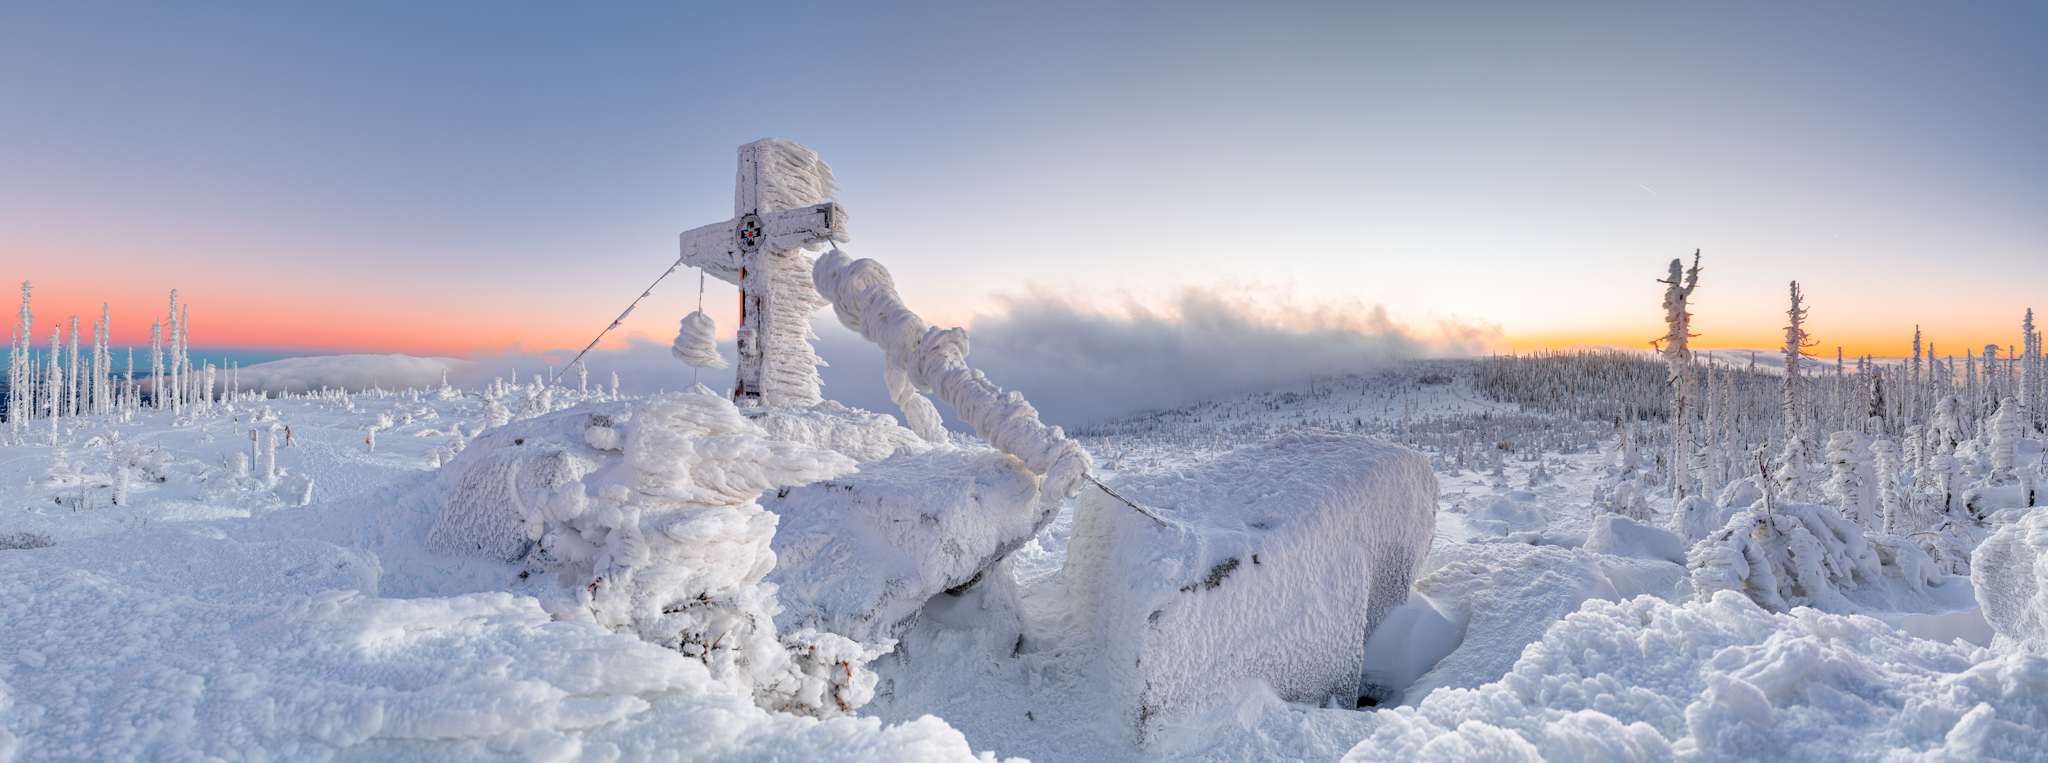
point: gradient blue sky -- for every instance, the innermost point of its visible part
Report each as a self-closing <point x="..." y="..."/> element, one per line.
<point x="441" y="177"/>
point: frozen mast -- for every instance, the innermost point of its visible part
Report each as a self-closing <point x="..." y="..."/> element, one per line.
<point x="777" y="212"/>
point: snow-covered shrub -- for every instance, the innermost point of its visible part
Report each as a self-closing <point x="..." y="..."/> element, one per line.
<point x="492" y="415"/>
<point x="13" y="540"/>
<point x="2003" y="437"/>
<point x="1795" y="555"/>
<point x="1849" y="484"/>
<point x="1740" y="494"/>
<point x="295" y="489"/>
<point x="1892" y="502"/>
<point x="2011" y="576"/>
<point x="1272" y="563"/>
<point x="1699" y="517"/>
<point x="1628" y="500"/>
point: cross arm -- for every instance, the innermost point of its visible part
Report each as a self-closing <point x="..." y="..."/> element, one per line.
<point x="809" y="227"/>
<point x="711" y="247"/>
<point x="716" y="247"/>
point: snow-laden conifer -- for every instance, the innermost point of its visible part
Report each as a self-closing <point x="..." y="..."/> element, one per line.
<point x="1679" y="286"/>
<point x="1849" y="484"/>
<point x="1891" y="498"/>
<point x="1796" y="451"/>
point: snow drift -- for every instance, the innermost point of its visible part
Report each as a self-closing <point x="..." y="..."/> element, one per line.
<point x="181" y="644"/>
<point x="1723" y="679"/>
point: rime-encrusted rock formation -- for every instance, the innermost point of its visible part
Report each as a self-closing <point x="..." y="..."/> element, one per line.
<point x="1272" y="563"/>
<point x="646" y="514"/>
<point x="2011" y="577"/>
<point x="860" y="555"/>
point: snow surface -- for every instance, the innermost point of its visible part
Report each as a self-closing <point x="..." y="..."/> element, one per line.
<point x="173" y="644"/>
<point x="206" y="615"/>
<point x="1724" y="679"/>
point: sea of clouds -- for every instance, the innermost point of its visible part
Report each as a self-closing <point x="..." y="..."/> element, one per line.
<point x="1077" y="361"/>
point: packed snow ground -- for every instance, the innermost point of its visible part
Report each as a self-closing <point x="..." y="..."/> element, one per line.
<point x="210" y="615"/>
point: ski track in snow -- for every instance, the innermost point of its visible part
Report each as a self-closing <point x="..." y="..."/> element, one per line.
<point x="222" y="660"/>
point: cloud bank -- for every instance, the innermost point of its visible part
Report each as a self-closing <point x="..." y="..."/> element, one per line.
<point x="1078" y="363"/>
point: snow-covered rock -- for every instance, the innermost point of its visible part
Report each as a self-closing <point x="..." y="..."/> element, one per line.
<point x="1271" y="563"/>
<point x="1621" y="536"/>
<point x="646" y="513"/>
<point x="855" y="433"/>
<point x="2011" y="575"/>
<point x="859" y="555"/>
<point x="488" y="484"/>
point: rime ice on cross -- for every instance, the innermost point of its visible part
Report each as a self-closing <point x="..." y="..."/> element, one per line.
<point x="776" y="214"/>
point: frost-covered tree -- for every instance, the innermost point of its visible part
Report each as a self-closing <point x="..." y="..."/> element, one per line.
<point x="1948" y="425"/>
<point x="2004" y="436"/>
<point x="1679" y="286"/>
<point x="1994" y="390"/>
<point x="19" y="379"/>
<point x="1891" y="500"/>
<point x="1913" y="377"/>
<point x="1848" y="487"/>
<point x="2030" y="372"/>
<point x="1798" y="451"/>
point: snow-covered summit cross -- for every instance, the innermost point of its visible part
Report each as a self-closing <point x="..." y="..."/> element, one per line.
<point x="777" y="213"/>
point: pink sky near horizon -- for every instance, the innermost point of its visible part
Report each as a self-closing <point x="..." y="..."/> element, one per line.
<point x="250" y="317"/>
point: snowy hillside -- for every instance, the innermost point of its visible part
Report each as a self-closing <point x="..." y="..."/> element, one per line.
<point x="171" y="586"/>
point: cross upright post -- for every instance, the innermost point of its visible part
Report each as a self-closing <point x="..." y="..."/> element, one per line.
<point x="778" y="211"/>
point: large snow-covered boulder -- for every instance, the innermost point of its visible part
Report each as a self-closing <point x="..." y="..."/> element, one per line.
<point x="857" y="434"/>
<point x="646" y="516"/>
<point x="1273" y="563"/>
<point x="488" y="483"/>
<point x="2010" y="571"/>
<point x="859" y="555"/>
